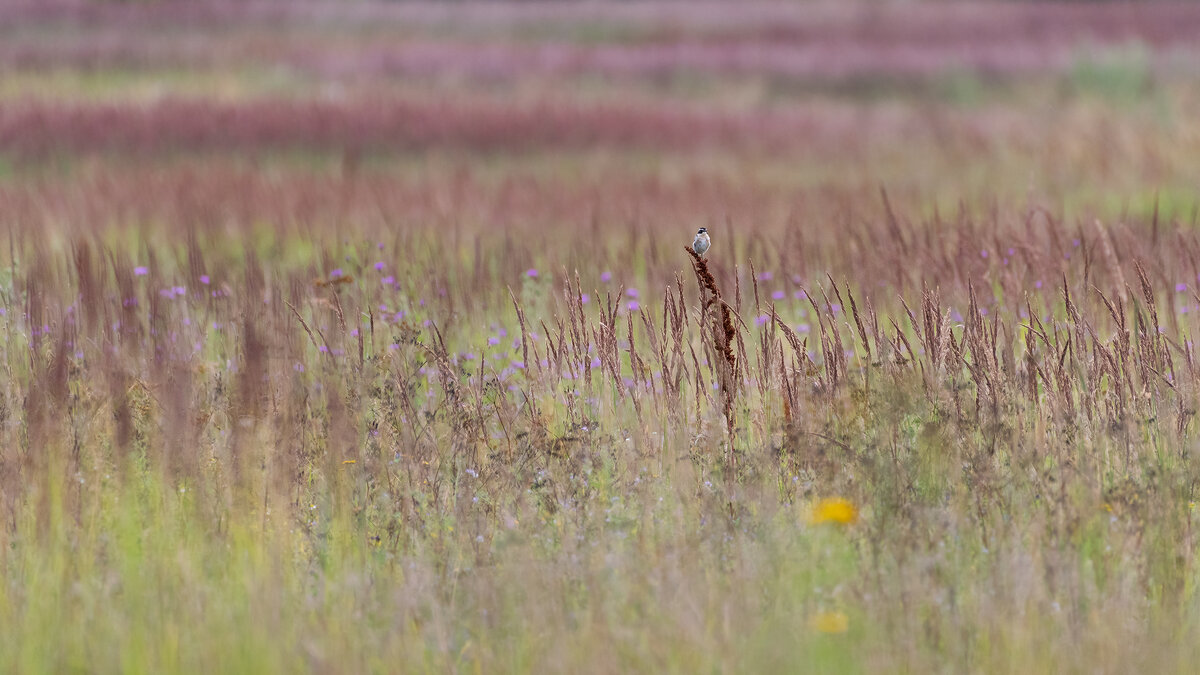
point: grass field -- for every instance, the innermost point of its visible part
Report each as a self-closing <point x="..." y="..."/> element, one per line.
<point x="364" y="338"/>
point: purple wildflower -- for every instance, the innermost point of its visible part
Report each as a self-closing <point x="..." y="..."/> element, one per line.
<point x="140" y="271"/>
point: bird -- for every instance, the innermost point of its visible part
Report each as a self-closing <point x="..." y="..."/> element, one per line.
<point x="701" y="243"/>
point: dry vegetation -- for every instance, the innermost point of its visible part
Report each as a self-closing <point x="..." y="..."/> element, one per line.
<point x="417" y="377"/>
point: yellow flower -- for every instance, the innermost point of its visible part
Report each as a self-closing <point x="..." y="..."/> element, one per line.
<point x="834" y="510"/>
<point x="829" y="622"/>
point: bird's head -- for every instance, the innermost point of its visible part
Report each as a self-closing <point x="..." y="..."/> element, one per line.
<point x="703" y="230"/>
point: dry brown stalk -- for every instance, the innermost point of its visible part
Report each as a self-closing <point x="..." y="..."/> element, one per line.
<point x="552" y="351"/>
<point x="1148" y="296"/>
<point x="681" y="302"/>
<point x="524" y="332"/>
<point x="765" y="347"/>
<point x="303" y="324"/>
<point x="826" y="357"/>
<point x="723" y="335"/>
<point x="636" y="366"/>
<point x="862" y="332"/>
<point x="788" y="333"/>
<point x="874" y="325"/>
<point x="754" y="279"/>
<point x="788" y="392"/>
<point x="902" y="340"/>
<point x="836" y="349"/>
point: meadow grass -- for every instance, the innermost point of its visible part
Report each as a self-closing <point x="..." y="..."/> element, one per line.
<point x="235" y="457"/>
<point x="380" y="375"/>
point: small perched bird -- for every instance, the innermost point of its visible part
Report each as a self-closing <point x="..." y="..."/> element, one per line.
<point x="701" y="243"/>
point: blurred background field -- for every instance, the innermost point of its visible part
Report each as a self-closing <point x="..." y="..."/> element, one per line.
<point x="360" y="337"/>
